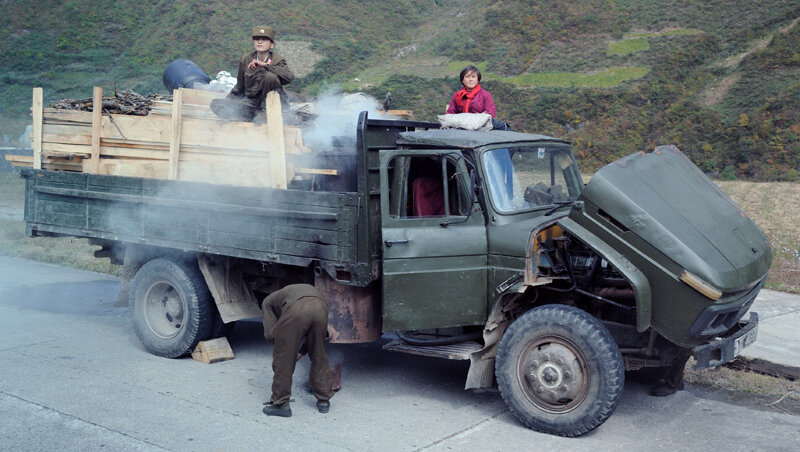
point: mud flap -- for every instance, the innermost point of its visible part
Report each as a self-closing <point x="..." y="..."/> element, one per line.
<point x="234" y="299"/>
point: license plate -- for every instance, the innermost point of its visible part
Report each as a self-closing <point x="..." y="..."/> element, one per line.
<point x="744" y="341"/>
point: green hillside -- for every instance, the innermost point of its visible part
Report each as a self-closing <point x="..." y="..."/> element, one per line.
<point x="719" y="78"/>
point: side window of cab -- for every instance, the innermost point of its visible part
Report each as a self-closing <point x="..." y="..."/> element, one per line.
<point x="426" y="187"/>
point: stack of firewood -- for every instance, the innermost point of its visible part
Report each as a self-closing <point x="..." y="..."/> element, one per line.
<point x="122" y="103"/>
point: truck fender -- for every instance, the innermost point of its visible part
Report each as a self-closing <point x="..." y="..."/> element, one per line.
<point x="481" y="362"/>
<point x="637" y="279"/>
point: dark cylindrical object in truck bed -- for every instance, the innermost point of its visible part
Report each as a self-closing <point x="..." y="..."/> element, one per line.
<point x="183" y="74"/>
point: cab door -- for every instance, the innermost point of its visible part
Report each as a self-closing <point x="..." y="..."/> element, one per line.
<point x="434" y="242"/>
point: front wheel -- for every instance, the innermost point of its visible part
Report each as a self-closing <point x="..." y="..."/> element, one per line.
<point x="559" y="370"/>
<point x="172" y="307"/>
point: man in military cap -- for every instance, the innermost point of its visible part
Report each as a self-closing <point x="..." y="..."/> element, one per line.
<point x="294" y="313"/>
<point x="260" y="72"/>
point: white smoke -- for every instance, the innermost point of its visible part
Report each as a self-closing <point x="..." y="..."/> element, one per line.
<point x="25" y="138"/>
<point x="337" y="116"/>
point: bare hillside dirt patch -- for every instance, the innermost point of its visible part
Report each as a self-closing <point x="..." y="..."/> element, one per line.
<point x="300" y="56"/>
<point x="760" y="44"/>
<point x="716" y="92"/>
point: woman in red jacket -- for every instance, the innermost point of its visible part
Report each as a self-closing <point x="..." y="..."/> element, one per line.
<point x="471" y="99"/>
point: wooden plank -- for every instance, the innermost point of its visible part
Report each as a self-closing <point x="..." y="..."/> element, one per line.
<point x="36" y="137"/>
<point x="175" y="139"/>
<point x="227" y="173"/>
<point x="143" y="145"/>
<point x="208" y="133"/>
<point x="65" y="149"/>
<point x="252" y="159"/>
<point x="220" y="152"/>
<point x="143" y="168"/>
<point x="277" y="150"/>
<point x="165" y="108"/>
<point x="123" y="152"/>
<point x="137" y="128"/>
<point x="213" y="351"/>
<point x="55" y="115"/>
<point x="198" y="96"/>
<point x="67" y="129"/>
<point x="245" y="173"/>
<point x="326" y="172"/>
<point x="85" y="140"/>
<point x="406" y="114"/>
<point x="20" y="158"/>
<point x="224" y="134"/>
<point x="237" y="135"/>
<point x="61" y="167"/>
<point x="97" y="121"/>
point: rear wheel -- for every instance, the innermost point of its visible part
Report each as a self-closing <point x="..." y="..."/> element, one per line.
<point x="559" y="370"/>
<point x="172" y="307"/>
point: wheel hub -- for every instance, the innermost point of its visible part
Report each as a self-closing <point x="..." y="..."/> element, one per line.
<point x="172" y="307"/>
<point x="163" y="309"/>
<point x="550" y="376"/>
<point x="553" y="375"/>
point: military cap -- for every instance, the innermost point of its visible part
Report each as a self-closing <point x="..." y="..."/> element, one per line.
<point x="264" y="32"/>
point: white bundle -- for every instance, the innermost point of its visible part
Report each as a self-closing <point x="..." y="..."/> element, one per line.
<point x="468" y="121"/>
<point x="223" y="82"/>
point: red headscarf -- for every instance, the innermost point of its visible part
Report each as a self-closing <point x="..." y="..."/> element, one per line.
<point x="464" y="97"/>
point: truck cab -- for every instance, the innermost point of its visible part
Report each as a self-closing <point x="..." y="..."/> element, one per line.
<point x="492" y="239"/>
<point x="455" y="220"/>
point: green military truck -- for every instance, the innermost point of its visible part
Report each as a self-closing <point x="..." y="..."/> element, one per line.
<point x="476" y="245"/>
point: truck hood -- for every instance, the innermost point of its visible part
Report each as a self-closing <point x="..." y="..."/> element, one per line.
<point x="664" y="199"/>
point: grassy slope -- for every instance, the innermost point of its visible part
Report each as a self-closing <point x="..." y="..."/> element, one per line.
<point x="71" y="252"/>
<point x="547" y="64"/>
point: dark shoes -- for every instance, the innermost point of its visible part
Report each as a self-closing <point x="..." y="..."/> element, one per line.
<point x="663" y="389"/>
<point x="282" y="410"/>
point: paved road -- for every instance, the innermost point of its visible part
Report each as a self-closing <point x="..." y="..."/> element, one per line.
<point x="778" y="327"/>
<point x="74" y="378"/>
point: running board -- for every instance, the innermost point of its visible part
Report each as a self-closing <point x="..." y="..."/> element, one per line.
<point x="462" y="350"/>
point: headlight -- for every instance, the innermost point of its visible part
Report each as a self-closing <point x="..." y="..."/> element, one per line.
<point x="701" y="286"/>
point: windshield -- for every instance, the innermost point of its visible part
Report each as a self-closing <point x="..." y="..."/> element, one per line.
<point x="529" y="177"/>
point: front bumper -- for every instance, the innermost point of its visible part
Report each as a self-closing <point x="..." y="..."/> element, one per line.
<point x="723" y="349"/>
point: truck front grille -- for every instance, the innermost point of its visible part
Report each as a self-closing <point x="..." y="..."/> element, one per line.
<point x="717" y="319"/>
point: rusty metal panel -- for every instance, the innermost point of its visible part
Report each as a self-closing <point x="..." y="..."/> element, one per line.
<point x="353" y="312"/>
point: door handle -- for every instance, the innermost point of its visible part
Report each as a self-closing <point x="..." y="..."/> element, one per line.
<point x="389" y="243"/>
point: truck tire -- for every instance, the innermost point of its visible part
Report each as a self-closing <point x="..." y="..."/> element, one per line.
<point x="172" y="307"/>
<point x="559" y="370"/>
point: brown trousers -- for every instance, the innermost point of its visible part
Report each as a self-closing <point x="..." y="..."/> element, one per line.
<point x="673" y="374"/>
<point x="305" y="318"/>
<point x="246" y="108"/>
